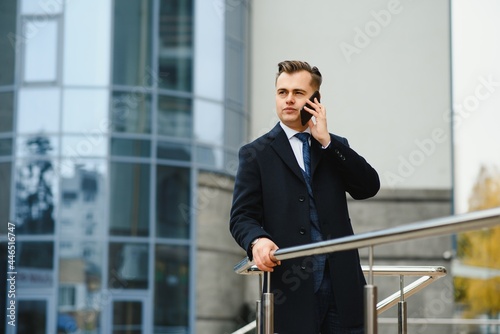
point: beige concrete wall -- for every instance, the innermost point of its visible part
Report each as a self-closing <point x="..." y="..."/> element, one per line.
<point x="389" y="93"/>
<point x="398" y="207"/>
<point x="219" y="291"/>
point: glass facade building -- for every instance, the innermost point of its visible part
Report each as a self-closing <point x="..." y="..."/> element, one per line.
<point x="109" y="113"/>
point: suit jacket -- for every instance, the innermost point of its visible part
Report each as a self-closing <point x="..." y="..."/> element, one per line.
<point x="270" y="200"/>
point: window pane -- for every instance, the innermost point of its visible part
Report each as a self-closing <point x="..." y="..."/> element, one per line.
<point x="129" y="213"/>
<point x="235" y="72"/>
<point x="130" y="147"/>
<point x="172" y="202"/>
<point x="128" y="266"/>
<point x="5" y="147"/>
<point x="80" y="66"/>
<point x="32" y="317"/>
<point x="6" y="108"/>
<point x="83" y="198"/>
<point x="9" y="42"/>
<point x="80" y="275"/>
<point x="36" y="196"/>
<point x="5" y="180"/>
<point x="36" y="7"/>
<point x="171" y="305"/>
<point x="174" y="116"/>
<point x="85" y="111"/>
<point x="131" y="112"/>
<point x="132" y="43"/>
<point x="235" y="125"/>
<point x="40" y="49"/>
<point x="209" y="156"/>
<point x="173" y="151"/>
<point x="38" y="110"/>
<point x="127" y="317"/>
<point x="35" y="264"/>
<point x="208" y="122"/>
<point x="90" y="145"/>
<point x="41" y="146"/>
<point x="176" y="41"/>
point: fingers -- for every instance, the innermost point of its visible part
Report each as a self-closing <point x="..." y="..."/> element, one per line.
<point x="263" y="255"/>
<point x="319" y="128"/>
<point x="317" y="108"/>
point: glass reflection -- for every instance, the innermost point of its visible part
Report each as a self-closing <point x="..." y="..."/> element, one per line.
<point x="36" y="191"/>
<point x="35" y="264"/>
<point x="209" y="122"/>
<point x="91" y="145"/>
<point x="131" y="112"/>
<point x="209" y="156"/>
<point x="80" y="275"/>
<point x="172" y="202"/>
<point x="5" y="180"/>
<point x="130" y="147"/>
<point x="40" y="51"/>
<point x="173" y="151"/>
<point x="127" y="317"/>
<point x="174" y="116"/>
<point x="38" y="110"/>
<point x="32" y="317"/>
<point x="5" y="147"/>
<point x="41" y="145"/>
<point x="6" y="110"/>
<point x="128" y="265"/>
<point x="132" y="42"/>
<point x="85" y="111"/>
<point x="8" y="17"/>
<point x="171" y="304"/>
<point x="83" y="198"/>
<point x="129" y="212"/>
<point x="176" y="41"/>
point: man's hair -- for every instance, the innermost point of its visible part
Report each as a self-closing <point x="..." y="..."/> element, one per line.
<point x="292" y="66"/>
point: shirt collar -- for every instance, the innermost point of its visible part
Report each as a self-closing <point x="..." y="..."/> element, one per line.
<point x="290" y="133"/>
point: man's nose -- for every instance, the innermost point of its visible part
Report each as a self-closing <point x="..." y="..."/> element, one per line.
<point x="290" y="98"/>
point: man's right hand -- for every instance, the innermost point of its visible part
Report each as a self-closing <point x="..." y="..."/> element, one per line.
<point x="263" y="254"/>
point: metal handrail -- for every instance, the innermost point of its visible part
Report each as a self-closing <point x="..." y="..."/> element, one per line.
<point x="427" y="228"/>
<point x="428" y="273"/>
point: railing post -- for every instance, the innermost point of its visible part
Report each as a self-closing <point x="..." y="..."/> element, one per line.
<point x="258" y="307"/>
<point x="268" y="307"/>
<point x="402" y="311"/>
<point x="370" y="300"/>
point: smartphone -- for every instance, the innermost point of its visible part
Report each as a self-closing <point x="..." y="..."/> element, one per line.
<point x="305" y="116"/>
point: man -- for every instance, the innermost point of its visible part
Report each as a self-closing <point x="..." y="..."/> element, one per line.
<point x="290" y="191"/>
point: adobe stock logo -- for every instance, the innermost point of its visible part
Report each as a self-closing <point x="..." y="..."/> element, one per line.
<point x="372" y="29"/>
<point x="425" y="148"/>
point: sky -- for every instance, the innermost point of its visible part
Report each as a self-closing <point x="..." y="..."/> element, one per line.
<point x="476" y="92"/>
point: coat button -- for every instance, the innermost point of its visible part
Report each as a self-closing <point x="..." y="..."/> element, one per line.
<point x="302" y="198"/>
<point x="302" y="231"/>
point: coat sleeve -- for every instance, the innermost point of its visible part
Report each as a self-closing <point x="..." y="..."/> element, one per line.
<point x="247" y="208"/>
<point x="361" y="180"/>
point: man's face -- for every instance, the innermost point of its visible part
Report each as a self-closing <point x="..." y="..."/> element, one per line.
<point x="293" y="90"/>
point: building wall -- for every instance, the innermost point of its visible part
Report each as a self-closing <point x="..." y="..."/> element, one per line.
<point x="109" y="110"/>
<point x="219" y="290"/>
<point x="386" y="78"/>
<point x="386" y="87"/>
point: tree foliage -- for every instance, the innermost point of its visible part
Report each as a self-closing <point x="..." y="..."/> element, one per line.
<point x="481" y="249"/>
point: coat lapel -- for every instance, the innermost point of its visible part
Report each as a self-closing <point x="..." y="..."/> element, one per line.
<point x="281" y="145"/>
